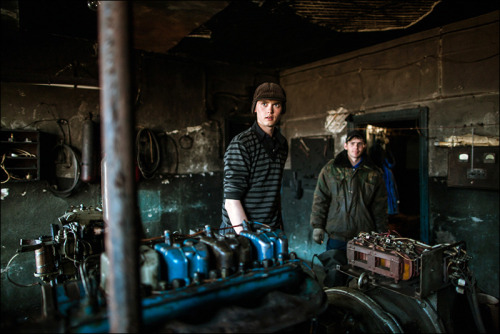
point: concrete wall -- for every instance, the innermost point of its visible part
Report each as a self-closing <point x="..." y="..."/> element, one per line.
<point x="452" y="71"/>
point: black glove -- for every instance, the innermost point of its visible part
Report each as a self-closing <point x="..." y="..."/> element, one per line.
<point x="318" y="235"/>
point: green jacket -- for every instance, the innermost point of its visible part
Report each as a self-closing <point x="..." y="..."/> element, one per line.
<point x="348" y="201"/>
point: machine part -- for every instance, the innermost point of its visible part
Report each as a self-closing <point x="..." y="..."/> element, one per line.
<point x="194" y="281"/>
<point x="417" y="269"/>
<point x="45" y="263"/>
<point x="380" y="262"/>
<point x="262" y="244"/>
<point x="89" y="158"/>
<point x="272" y="314"/>
<point x="418" y="287"/>
<point x="184" y="264"/>
<point x="58" y="257"/>
<point x="7" y="270"/>
<point x="241" y="246"/>
<point x="377" y="311"/>
<point x="385" y="254"/>
<point x="280" y="244"/>
<point x="223" y="254"/>
<point x="241" y="290"/>
<point x="149" y="264"/>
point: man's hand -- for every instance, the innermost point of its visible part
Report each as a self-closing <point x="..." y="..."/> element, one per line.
<point x="318" y="235"/>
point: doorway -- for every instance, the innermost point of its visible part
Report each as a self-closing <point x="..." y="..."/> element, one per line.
<point x="402" y="133"/>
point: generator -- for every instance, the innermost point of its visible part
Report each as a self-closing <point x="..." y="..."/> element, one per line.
<point x="398" y="284"/>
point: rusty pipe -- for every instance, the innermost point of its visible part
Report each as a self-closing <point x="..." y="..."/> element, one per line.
<point x="88" y="170"/>
<point x="121" y="238"/>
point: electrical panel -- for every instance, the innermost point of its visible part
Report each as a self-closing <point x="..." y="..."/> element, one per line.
<point x="473" y="167"/>
<point x="20" y="153"/>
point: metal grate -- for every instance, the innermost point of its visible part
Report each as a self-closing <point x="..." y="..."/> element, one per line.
<point x="363" y="15"/>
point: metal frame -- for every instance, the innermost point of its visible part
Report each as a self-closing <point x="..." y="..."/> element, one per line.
<point x="420" y="115"/>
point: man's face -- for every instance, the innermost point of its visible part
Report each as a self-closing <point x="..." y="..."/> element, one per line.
<point x="355" y="148"/>
<point x="268" y="113"/>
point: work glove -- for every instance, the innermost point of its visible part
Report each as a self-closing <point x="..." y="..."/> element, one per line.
<point x="318" y="235"/>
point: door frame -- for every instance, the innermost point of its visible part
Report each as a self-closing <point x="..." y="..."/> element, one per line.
<point x="419" y="115"/>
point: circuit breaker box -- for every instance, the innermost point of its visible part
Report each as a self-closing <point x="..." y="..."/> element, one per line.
<point x="473" y="167"/>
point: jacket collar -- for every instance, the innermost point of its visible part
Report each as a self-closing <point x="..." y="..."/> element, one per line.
<point x="341" y="160"/>
<point x="262" y="135"/>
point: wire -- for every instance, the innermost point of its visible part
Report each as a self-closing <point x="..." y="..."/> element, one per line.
<point x="24" y="153"/>
<point x="167" y="136"/>
<point x="146" y="168"/>
<point x="5" y="170"/>
<point x="15" y="283"/>
<point x="9" y="175"/>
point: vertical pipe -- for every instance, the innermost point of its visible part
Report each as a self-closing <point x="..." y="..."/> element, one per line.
<point x="88" y="170"/>
<point x="121" y="241"/>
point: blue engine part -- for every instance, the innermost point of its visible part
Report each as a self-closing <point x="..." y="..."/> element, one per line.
<point x="270" y="245"/>
<point x="255" y="284"/>
<point x="183" y="265"/>
<point x="280" y="244"/>
<point x="205" y="273"/>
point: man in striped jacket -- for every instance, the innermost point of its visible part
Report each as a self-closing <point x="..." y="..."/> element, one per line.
<point x="254" y="163"/>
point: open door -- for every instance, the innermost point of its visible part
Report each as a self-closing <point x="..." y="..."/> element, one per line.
<point x="402" y="135"/>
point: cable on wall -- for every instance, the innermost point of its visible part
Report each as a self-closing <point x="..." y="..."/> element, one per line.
<point x="72" y="160"/>
<point x="147" y="152"/>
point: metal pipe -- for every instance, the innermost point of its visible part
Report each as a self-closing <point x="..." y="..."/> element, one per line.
<point x="88" y="170"/>
<point x="472" y="152"/>
<point x="121" y="239"/>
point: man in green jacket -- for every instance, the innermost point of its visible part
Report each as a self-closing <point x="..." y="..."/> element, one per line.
<point x="350" y="197"/>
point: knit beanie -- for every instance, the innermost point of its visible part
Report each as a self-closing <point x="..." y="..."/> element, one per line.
<point x="271" y="91"/>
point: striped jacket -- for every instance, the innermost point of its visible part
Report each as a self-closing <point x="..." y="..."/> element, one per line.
<point x="253" y="171"/>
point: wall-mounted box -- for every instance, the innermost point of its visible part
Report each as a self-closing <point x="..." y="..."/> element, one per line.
<point x="20" y="154"/>
<point x="473" y="167"/>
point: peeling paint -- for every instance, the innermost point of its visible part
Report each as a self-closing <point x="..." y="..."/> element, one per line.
<point x="198" y="205"/>
<point x="172" y="132"/>
<point x="172" y="208"/>
<point x="17" y="124"/>
<point x="335" y="121"/>
<point x="456" y="219"/>
<point x="468" y="139"/>
<point x="5" y="192"/>
<point x="194" y="128"/>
